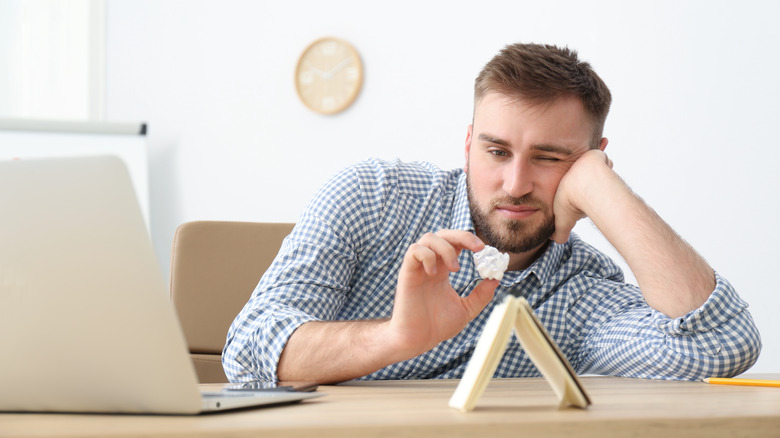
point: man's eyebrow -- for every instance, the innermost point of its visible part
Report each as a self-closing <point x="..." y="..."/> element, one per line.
<point x="554" y="148"/>
<point x="542" y="147"/>
<point x="490" y="139"/>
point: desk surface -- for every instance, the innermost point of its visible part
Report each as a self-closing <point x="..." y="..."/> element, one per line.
<point x="509" y="407"/>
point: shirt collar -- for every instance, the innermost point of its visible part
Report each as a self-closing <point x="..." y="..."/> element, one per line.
<point x="461" y="215"/>
<point x="549" y="263"/>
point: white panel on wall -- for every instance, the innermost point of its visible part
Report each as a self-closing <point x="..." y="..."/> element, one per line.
<point x="22" y="139"/>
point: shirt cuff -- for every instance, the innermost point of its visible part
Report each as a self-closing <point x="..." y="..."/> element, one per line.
<point x="722" y="305"/>
<point x="277" y="327"/>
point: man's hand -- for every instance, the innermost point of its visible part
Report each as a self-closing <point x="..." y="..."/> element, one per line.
<point x="427" y="309"/>
<point x="573" y="189"/>
<point x="673" y="278"/>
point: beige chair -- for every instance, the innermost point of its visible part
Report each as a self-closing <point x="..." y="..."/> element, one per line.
<point x="215" y="266"/>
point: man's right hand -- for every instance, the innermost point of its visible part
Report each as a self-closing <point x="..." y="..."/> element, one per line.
<point x="427" y="311"/>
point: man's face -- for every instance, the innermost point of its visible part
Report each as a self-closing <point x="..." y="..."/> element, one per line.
<point x="516" y="155"/>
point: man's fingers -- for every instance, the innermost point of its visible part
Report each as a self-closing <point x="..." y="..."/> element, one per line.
<point x="480" y="297"/>
<point x="561" y="236"/>
<point x="447" y="244"/>
<point x="444" y="246"/>
<point x="460" y="240"/>
<point x="422" y="255"/>
<point x="564" y="224"/>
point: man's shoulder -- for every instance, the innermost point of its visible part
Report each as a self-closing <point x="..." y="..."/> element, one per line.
<point x="408" y="176"/>
<point x="367" y="188"/>
<point x="589" y="258"/>
<point x="403" y="168"/>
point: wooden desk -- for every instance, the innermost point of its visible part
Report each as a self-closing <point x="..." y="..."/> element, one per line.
<point x="511" y="407"/>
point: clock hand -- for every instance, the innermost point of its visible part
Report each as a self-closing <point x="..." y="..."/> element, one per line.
<point x="339" y="66"/>
<point x="318" y="72"/>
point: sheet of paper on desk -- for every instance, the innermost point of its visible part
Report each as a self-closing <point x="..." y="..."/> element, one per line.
<point x="515" y="312"/>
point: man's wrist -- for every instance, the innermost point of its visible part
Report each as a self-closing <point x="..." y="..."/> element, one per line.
<point x="596" y="183"/>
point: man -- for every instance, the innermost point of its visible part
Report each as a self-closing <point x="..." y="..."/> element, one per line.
<point x="377" y="280"/>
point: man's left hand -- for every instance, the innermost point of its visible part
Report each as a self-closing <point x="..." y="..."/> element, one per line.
<point x="575" y="187"/>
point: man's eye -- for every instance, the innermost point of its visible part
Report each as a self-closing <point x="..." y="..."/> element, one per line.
<point x="498" y="153"/>
<point x="551" y="159"/>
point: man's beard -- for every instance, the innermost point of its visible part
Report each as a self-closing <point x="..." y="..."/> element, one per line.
<point x="510" y="235"/>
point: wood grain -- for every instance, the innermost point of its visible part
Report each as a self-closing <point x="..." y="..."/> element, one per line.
<point x="509" y="407"/>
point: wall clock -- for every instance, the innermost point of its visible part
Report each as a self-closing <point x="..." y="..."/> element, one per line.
<point x="329" y="75"/>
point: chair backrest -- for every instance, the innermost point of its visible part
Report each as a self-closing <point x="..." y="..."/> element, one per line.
<point x="215" y="267"/>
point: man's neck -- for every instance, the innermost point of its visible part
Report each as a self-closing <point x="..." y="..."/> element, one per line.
<point x="521" y="261"/>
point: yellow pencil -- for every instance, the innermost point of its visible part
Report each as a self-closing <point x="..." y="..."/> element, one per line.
<point x="742" y="382"/>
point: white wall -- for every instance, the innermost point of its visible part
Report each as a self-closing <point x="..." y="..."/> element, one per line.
<point x="51" y="59"/>
<point x="692" y="129"/>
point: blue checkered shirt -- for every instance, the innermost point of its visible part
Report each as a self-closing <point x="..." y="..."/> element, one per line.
<point x="341" y="262"/>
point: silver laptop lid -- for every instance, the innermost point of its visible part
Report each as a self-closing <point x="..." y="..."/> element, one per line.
<point x="85" y="320"/>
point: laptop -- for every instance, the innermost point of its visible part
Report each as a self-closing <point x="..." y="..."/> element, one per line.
<point x="86" y="323"/>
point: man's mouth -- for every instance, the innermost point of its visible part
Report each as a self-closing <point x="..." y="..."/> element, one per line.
<point x="516" y="212"/>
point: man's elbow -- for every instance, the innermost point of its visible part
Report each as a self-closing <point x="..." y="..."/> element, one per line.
<point x="739" y="355"/>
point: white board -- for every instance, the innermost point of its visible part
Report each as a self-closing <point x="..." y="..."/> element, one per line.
<point x="28" y="139"/>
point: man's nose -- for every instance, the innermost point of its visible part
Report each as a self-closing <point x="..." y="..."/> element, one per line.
<point x="518" y="179"/>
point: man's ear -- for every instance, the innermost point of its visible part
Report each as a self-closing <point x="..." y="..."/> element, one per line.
<point x="603" y="144"/>
<point x="469" y="133"/>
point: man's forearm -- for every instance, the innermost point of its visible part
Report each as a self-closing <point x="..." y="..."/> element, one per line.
<point x="672" y="276"/>
<point x="336" y="351"/>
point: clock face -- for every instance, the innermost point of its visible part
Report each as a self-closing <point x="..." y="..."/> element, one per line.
<point x="329" y="75"/>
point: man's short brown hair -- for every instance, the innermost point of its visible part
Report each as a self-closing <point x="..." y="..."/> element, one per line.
<point x="541" y="74"/>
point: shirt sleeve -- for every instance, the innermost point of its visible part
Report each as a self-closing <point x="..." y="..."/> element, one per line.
<point x="719" y="339"/>
<point x="309" y="280"/>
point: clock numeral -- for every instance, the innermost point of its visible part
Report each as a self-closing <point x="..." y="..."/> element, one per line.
<point x="352" y="74"/>
<point x="328" y="103"/>
<point x="307" y="77"/>
<point x="329" y="49"/>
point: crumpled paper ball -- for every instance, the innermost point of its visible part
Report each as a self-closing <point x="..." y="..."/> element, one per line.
<point x="491" y="263"/>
